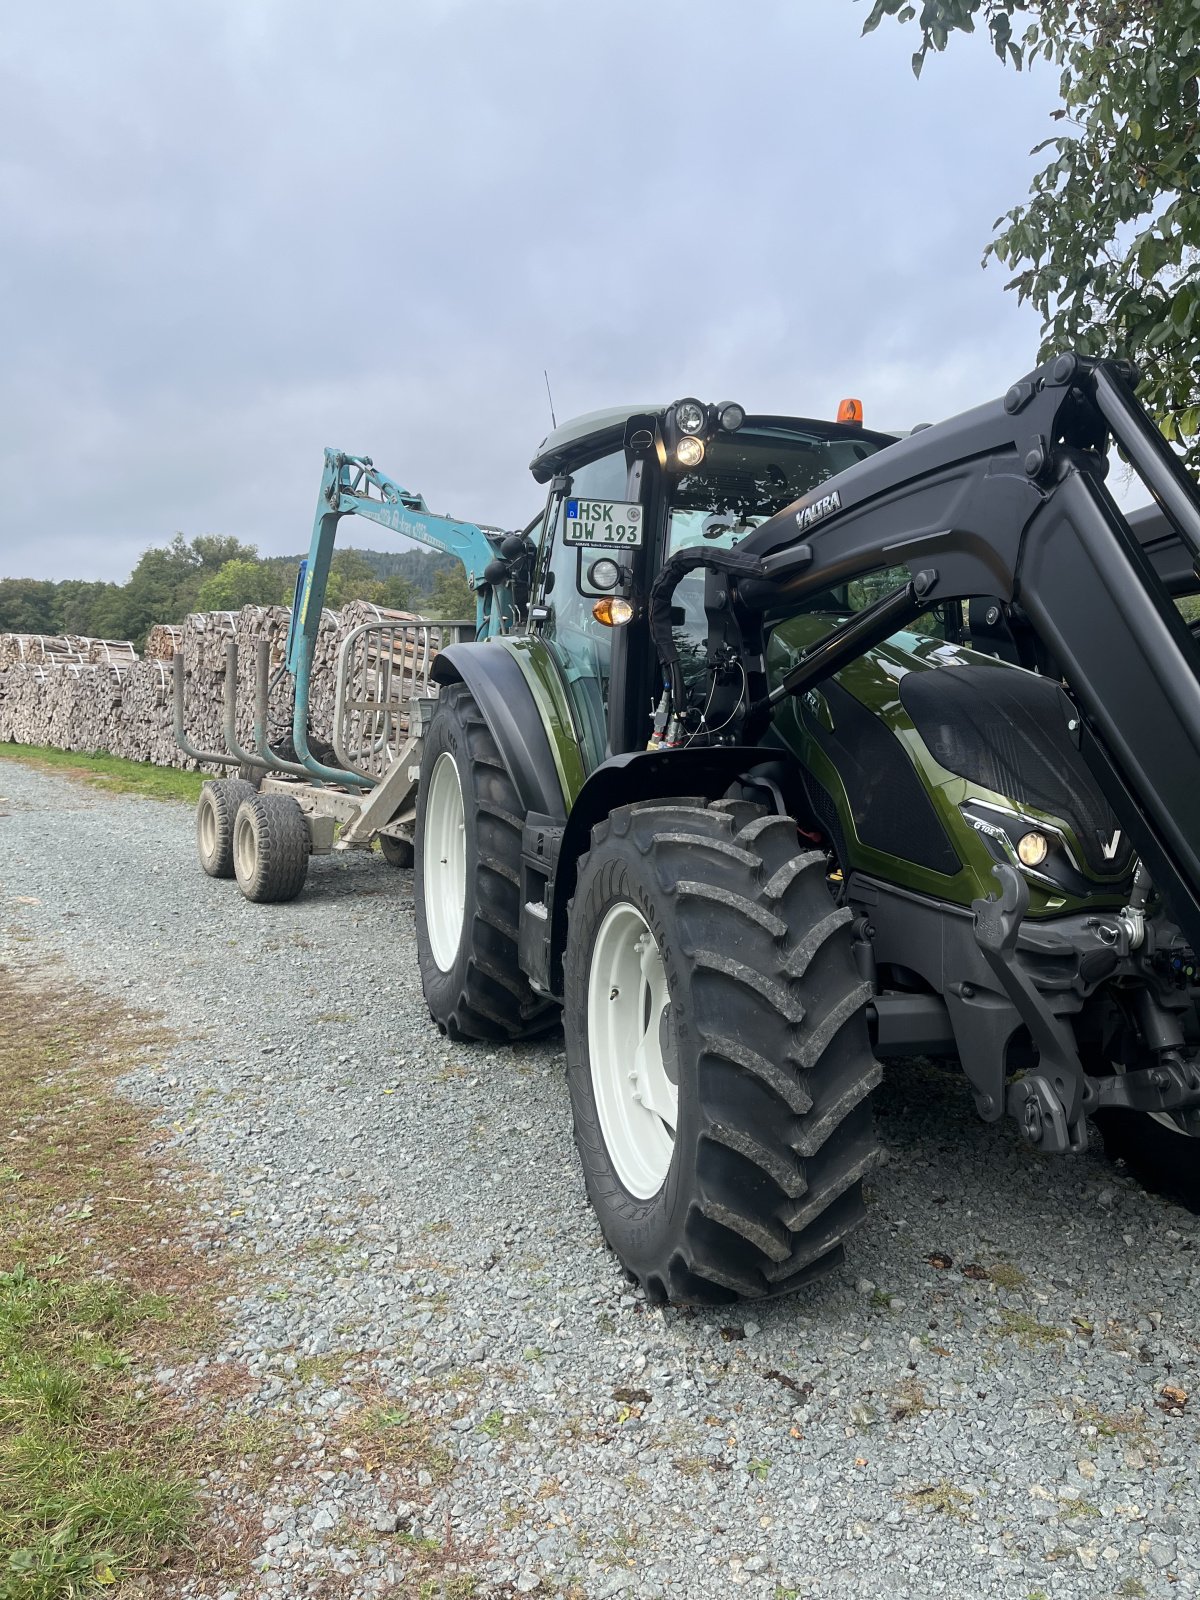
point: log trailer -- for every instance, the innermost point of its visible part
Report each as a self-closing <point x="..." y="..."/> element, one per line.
<point x="814" y="747"/>
<point x="289" y="801"/>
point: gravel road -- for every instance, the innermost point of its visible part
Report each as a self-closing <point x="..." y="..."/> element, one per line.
<point x="973" y="1407"/>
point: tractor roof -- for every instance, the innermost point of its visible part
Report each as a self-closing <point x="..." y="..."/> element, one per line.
<point x="593" y="428"/>
<point x="591" y="433"/>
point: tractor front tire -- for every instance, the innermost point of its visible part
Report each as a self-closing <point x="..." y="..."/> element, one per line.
<point x="216" y="810"/>
<point x="718" y="1059"/>
<point x="1161" y="1155"/>
<point x="271" y="847"/>
<point x="467" y="881"/>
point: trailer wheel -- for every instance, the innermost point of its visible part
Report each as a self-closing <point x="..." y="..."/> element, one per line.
<point x="466" y="882"/>
<point x="396" y="852"/>
<point x="215" y="812"/>
<point x="718" y="1058"/>
<point x="271" y="847"/>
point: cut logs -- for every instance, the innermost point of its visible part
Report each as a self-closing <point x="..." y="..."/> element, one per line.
<point x="96" y="695"/>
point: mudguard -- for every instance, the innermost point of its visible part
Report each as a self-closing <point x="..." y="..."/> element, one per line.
<point x="623" y="780"/>
<point x="511" y="712"/>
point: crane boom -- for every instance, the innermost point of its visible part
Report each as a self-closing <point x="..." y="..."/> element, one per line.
<point x="354" y="486"/>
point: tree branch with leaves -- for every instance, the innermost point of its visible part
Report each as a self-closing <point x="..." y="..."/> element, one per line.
<point x="1107" y="246"/>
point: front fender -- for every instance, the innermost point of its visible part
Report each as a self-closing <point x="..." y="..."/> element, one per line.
<point x="622" y="780"/>
<point x="513" y="716"/>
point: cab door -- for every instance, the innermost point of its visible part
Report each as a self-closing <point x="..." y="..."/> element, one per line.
<point x="562" y="615"/>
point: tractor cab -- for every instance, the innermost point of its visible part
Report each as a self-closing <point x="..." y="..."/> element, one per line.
<point x="628" y="490"/>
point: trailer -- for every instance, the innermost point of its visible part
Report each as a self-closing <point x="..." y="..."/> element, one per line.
<point x="289" y="801"/>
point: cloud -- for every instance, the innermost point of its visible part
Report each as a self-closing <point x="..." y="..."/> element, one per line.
<point x="236" y="233"/>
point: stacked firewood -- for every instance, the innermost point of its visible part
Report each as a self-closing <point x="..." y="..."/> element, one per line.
<point x="162" y="642"/>
<point x="96" y="695"/>
<point x="37" y="650"/>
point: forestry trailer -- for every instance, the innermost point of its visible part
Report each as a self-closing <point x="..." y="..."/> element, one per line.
<point x="808" y="747"/>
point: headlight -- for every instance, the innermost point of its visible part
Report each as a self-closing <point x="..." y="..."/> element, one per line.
<point x="730" y="416"/>
<point x="689" y="452"/>
<point x="1033" y="848"/>
<point x="691" y="416"/>
<point x="604" y="574"/>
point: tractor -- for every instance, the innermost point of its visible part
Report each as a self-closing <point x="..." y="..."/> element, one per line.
<point x="811" y="747"/>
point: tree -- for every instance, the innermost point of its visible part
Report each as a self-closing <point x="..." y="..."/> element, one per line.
<point x="397" y="593"/>
<point x="27" y="605"/>
<point x="453" y="598"/>
<point x="1107" y="247"/>
<point x="240" y="582"/>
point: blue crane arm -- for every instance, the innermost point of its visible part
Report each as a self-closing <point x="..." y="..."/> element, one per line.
<point x="353" y="486"/>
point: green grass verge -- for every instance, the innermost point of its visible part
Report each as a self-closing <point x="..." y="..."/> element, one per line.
<point x="98" y="1465"/>
<point x="88" y="1493"/>
<point x="112" y="773"/>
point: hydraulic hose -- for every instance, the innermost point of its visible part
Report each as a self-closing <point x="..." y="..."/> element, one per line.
<point x="662" y="592"/>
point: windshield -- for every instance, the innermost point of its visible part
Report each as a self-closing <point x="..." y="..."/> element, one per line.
<point x="748" y="476"/>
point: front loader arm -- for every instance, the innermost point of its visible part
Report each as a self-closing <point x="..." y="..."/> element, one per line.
<point x="1009" y="500"/>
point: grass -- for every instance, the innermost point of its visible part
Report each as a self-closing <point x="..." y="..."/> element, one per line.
<point x="908" y="1400"/>
<point x="111" y="773"/>
<point x="97" y="1466"/>
<point x="1028" y="1331"/>
<point x="1007" y="1276"/>
<point x="1069" y="1509"/>
<point x="942" y="1499"/>
<point x="389" y="1436"/>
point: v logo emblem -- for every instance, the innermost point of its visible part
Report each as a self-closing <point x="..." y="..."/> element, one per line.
<point x="1109" y="847"/>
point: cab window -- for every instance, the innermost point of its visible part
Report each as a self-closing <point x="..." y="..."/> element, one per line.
<point x="581" y="646"/>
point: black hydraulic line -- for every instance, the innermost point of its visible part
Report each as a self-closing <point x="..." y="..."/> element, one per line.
<point x="1152" y="457"/>
<point x="863" y="632"/>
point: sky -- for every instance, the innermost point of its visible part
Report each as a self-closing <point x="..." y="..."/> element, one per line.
<point x="236" y="231"/>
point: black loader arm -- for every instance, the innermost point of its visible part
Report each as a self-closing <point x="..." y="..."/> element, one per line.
<point x="1009" y="500"/>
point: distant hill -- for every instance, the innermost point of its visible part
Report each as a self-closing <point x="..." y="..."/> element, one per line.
<point x="418" y="567"/>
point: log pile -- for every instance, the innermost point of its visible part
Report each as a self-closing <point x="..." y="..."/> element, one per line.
<point x="96" y="695"/>
<point x="162" y="642"/>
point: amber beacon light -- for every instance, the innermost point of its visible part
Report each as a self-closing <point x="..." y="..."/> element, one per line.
<point x="850" y="411"/>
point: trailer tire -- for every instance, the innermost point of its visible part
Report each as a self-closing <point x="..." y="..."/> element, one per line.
<point x="396" y="852"/>
<point x="271" y="847"/>
<point x="761" y="1039"/>
<point x="216" y="810"/>
<point x="466" y="881"/>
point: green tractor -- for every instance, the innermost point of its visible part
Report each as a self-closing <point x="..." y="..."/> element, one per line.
<point x="818" y="747"/>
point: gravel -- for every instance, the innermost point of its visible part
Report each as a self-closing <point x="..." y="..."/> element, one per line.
<point x="971" y="1407"/>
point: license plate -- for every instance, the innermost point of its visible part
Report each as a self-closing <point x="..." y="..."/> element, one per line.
<point x="604" y="522"/>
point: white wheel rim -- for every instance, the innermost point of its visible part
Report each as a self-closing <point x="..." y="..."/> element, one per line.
<point x="636" y="1100"/>
<point x="445" y="862"/>
<point x="208" y="827"/>
<point x="245" y="845"/>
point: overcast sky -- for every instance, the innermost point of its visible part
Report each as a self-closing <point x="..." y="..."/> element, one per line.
<point x="235" y="231"/>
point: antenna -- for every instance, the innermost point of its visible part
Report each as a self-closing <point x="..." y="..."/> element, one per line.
<point x="550" y="397"/>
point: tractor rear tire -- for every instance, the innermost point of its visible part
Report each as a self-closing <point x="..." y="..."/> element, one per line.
<point x="396" y="852"/>
<point x="710" y="979"/>
<point x="271" y="847"/>
<point x="467" y="881"/>
<point x="216" y="810"/>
